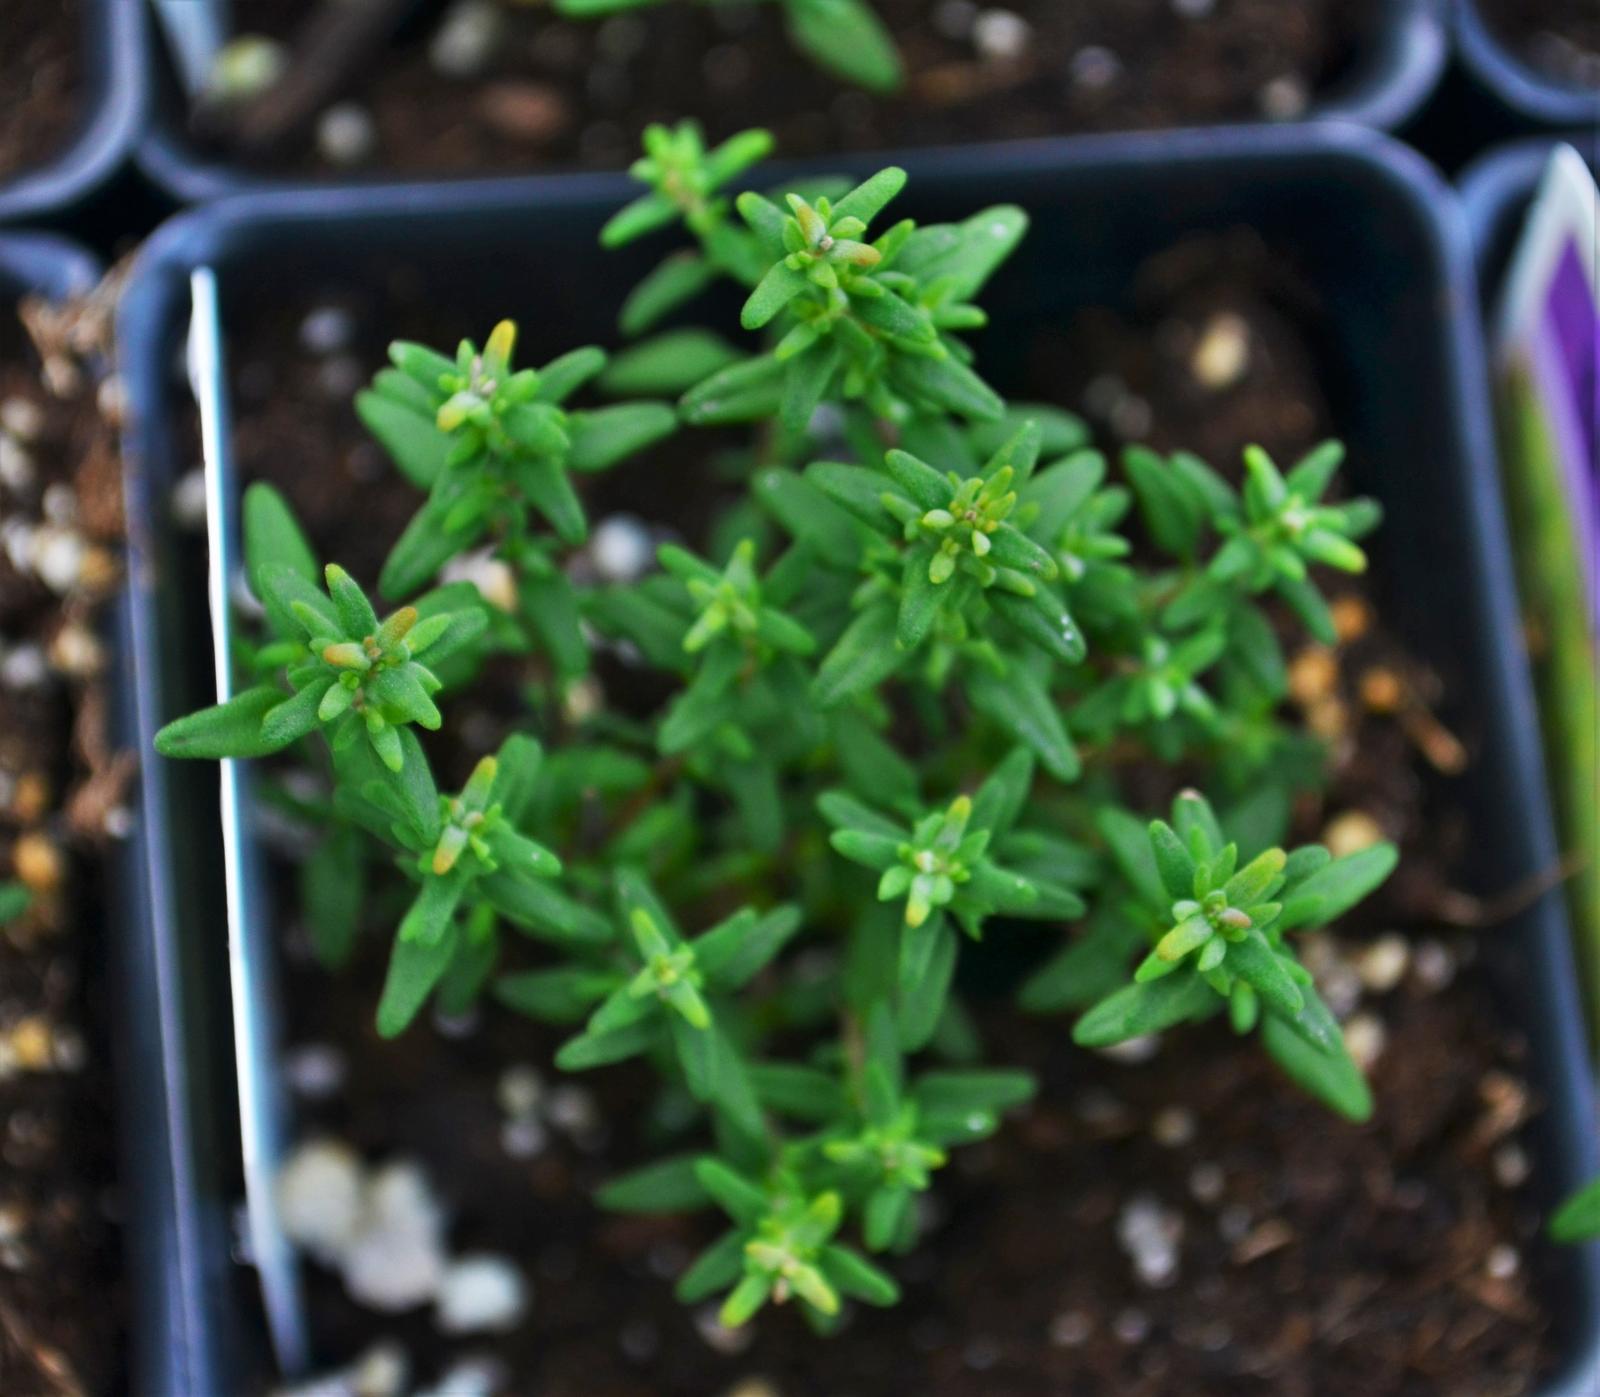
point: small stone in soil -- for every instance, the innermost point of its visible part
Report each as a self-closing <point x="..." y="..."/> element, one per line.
<point x="1510" y="1165"/>
<point x="396" y="1260"/>
<point x="346" y="134"/>
<point x="464" y="43"/>
<point x="481" y="1293"/>
<point x="189" y="499"/>
<point x="1206" y="1182"/>
<point x="1001" y="34"/>
<point x="21" y="418"/>
<point x="1131" y="1326"/>
<point x="315" y="1071"/>
<point x="327" y="330"/>
<point x="621" y="548"/>
<point x="1382" y="965"/>
<point x="1193" y="9"/>
<point x="1173" y="1126"/>
<point x="16" y="465"/>
<point x="473" y="1376"/>
<point x="519" y="1090"/>
<point x="1350" y="832"/>
<point x="1133" y="1050"/>
<point x="572" y="1109"/>
<point x="319" y="1194"/>
<point x="1071" y="1328"/>
<point x="1434" y="966"/>
<point x="246" y="66"/>
<point x="1284" y="98"/>
<point x="1502" y="1262"/>
<point x="1222" y="355"/>
<point x="24" y="668"/>
<point x="38" y="862"/>
<point x="1150" y="1235"/>
<point x="1094" y="68"/>
<point x="524" y="1138"/>
<point x="58" y="557"/>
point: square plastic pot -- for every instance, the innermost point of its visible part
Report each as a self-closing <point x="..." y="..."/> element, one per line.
<point x="1374" y="229"/>
<point x="110" y="120"/>
<point x="1392" y="80"/>
<point x="1532" y="97"/>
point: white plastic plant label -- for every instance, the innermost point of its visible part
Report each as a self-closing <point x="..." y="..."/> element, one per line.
<point x="1547" y="358"/>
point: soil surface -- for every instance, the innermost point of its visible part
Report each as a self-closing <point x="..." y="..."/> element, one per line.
<point x="41" y="72"/>
<point x="62" y="789"/>
<point x="1312" y="1256"/>
<point x="1561" y="37"/>
<point x="552" y="91"/>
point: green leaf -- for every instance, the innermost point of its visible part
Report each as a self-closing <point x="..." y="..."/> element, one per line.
<point x="716" y="1268"/>
<point x="231" y="729"/>
<point x="865" y="655"/>
<point x="333" y="886"/>
<point x="670" y="364"/>
<point x="414" y="443"/>
<point x="590" y="1050"/>
<point x="603" y="437"/>
<point x="920" y="597"/>
<point x="963" y="256"/>
<point x="564" y="995"/>
<point x="1172" y="860"/>
<point x="424" y="546"/>
<point x="1338" y="886"/>
<point x="1255" y="960"/>
<point x="1578" y="1219"/>
<point x="1138" y="1009"/>
<point x="946" y="383"/>
<point x="962" y="1093"/>
<point x="681" y="277"/>
<point x="802" y="1093"/>
<point x="1020" y="703"/>
<point x="869" y="198"/>
<point x="1331" y="1077"/>
<point x="848" y="39"/>
<point x="924" y="996"/>
<point x="805" y="379"/>
<point x="644" y="215"/>
<point x="415" y="967"/>
<point x="780" y="286"/>
<point x="735" y="950"/>
<point x="855" y="1276"/>
<point x="14" y="901"/>
<point x="272" y="536"/>
<point x="665" y="1186"/>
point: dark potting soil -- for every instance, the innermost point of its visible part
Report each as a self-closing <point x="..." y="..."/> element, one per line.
<point x="62" y="793"/>
<point x="1561" y="37"/>
<point x="41" y="70"/>
<point x="555" y="91"/>
<point x="1309" y="1255"/>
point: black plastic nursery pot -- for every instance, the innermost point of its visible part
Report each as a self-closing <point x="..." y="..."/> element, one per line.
<point x="1374" y="229"/>
<point x="111" y="116"/>
<point x="1387" y="85"/>
<point x="1532" y="97"/>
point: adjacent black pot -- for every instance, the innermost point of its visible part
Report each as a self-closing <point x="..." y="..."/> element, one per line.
<point x="112" y="116"/>
<point x="1393" y="80"/>
<point x="1369" y="224"/>
<point x="1533" y="97"/>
